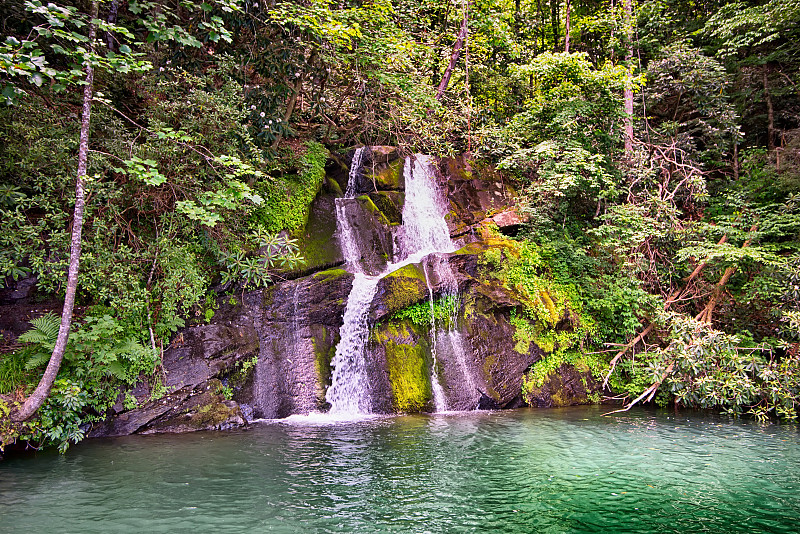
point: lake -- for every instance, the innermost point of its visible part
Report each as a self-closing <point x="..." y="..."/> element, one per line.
<point x="520" y="471"/>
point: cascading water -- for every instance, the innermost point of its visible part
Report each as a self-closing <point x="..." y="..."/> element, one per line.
<point x="439" y="399"/>
<point x="349" y="390"/>
<point x="424" y="227"/>
<point x="424" y="231"/>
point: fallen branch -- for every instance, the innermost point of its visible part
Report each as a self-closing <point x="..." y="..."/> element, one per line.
<point x="649" y="392"/>
<point x="676" y="296"/>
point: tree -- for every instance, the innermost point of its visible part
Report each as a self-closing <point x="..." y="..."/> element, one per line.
<point x="35" y="399"/>
<point x="25" y="59"/>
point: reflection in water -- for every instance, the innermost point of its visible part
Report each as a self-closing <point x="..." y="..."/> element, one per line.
<point x="566" y="470"/>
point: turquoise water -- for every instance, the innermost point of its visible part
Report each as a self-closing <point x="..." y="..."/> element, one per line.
<point x="563" y="470"/>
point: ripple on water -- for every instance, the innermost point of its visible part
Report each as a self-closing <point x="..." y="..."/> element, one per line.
<point x="564" y="470"/>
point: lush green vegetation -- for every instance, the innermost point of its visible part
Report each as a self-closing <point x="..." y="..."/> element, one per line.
<point x="212" y="122"/>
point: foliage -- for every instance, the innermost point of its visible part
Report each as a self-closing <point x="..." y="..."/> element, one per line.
<point x="442" y="311"/>
<point x="214" y="123"/>
<point x="550" y="363"/>
<point x="552" y="314"/>
<point x="706" y="368"/>
<point x="287" y="202"/>
<point x="101" y="357"/>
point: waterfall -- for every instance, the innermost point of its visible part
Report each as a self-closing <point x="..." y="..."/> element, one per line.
<point x="423" y="232"/>
<point x="439" y="399"/>
<point x="424" y="227"/>
<point x="349" y="393"/>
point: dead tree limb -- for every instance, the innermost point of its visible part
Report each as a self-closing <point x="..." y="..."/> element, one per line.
<point x="459" y="44"/>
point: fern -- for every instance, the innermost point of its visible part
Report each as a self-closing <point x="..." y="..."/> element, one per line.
<point x="37" y="359"/>
<point x="44" y="331"/>
<point x="43" y="335"/>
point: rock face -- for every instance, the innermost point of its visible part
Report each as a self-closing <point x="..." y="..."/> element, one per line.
<point x="298" y="332"/>
<point x="267" y="354"/>
<point x="566" y="387"/>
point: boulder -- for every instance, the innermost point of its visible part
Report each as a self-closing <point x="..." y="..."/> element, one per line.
<point x="566" y="386"/>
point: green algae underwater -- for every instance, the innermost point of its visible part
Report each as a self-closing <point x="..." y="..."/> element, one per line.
<point x="558" y="470"/>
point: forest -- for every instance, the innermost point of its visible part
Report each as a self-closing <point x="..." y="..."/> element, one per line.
<point x="156" y="155"/>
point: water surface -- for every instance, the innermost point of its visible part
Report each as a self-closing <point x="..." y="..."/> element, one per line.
<point x="564" y="470"/>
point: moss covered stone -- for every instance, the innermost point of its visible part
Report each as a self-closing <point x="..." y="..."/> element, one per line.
<point x="370" y="207"/>
<point x="390" y="203"/>
<point x="407" y="362"/>
<point x="401" y="288"/>
<point x="566" y="385"/>
<point x="324" y="351"/>
<point x="391" y="178"/>
<point x="287" y="202"/>
<point x="330" y="275"/>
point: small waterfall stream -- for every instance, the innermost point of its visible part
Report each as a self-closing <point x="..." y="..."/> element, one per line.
<point x="423" y="232"/>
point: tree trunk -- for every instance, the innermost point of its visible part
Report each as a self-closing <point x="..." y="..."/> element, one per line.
<point x="40" y="394"/>
<point x="770" y="112"/>
<point x="628" y="97"/>
<point x="112" y="19"/>
<point x="707" y="313"/>
<point x="566" y="28"/>
<point x="554" y="23"/>
<point x="462" y="35"/>
<point x="542" y="25"/>
<point x="290" y="105"/>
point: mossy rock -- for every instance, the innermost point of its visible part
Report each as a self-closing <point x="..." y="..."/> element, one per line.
<point x="330" y="275"/>
<point x="333" y="187"/>
<point x="407" y="363"/>
<point x="402" y="288"/>
<point x="317" y="239"/>
<point x="324" y="350"/>
<point x="369" y="206"/>
<point x="566" y="386"/>
<point x="489" y="242"/>
<point x="390" y="178"/>
<point x="390" y="203"/>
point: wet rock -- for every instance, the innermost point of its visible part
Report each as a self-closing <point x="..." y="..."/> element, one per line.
<point x="390" y="203"/>
<point x="402" y="288"/>
<point x="298" y="329"/>
<point x="319" y="244"/>
<point x="373" y="229"/>
<point x="402" y="354"/>
<point x="383" y="154"/>
<point x="566" y="386"/>
<point x="200" y="353"/>
<point x="388" y="177"/>
<point x="491" y="336"/>
<point x="205" y="411"/>
<point x="19" y="291"/>
<point x="473" y="190"/>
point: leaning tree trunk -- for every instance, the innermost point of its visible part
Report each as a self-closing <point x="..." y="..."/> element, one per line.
<point x="566" y="27"/>
<point x="462" y="35"/>
<point x="39" y="395"/>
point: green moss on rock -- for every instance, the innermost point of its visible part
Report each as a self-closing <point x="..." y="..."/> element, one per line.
<point x="324" y="351"/>
<point x="330" y="275"/>
<point x="390" y="203"/>
<point x="407" y="364"/>
<point x="366" y="202"/>
<point x="391" y="178"/>
<point x="404" y="287"/>
<point x="287" y="202"/>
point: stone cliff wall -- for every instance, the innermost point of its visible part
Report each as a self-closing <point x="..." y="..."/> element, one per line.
<point x="267" y="354"/>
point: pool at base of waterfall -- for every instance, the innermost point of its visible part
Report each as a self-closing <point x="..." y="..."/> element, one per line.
<point x="558" y="470"/>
